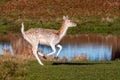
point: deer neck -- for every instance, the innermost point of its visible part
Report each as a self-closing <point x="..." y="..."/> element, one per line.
<point x="63" y="30"/>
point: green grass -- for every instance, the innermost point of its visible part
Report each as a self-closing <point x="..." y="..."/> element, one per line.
<point x="18" y="68"/>
<point x="74" y="71"/>
<point x="90" y="15"/>
<point x="3" y="28"/>
<point x="12" y="68"/>
<point x="82" y="28"/>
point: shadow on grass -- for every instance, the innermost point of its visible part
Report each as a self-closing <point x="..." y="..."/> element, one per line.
<point x="78" y="63"/>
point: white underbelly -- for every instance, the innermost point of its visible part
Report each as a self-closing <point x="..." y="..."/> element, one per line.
<point x="43" y="42"/>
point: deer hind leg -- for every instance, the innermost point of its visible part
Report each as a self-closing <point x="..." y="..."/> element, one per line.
<point x="34" y="49"/>
<point x="40" y="52"/>
<point x="60" y="48"/>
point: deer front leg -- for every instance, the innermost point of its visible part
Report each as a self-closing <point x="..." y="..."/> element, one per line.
<point x="54" y="50"/>
<point x="34" y="49"/>
<point x="60" y="48"/>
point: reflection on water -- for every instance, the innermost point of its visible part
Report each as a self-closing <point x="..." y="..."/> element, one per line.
<point x="92" y="52"/>
<point x="93" y="47"/>
<point x="5" y="47"/>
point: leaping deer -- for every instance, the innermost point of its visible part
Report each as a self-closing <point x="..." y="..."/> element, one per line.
<point x="47" y="37"/>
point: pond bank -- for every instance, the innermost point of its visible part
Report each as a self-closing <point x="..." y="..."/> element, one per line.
<point x="81" y="44"/>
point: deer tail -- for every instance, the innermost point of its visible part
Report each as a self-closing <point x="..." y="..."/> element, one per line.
<point x="22" y="28"/>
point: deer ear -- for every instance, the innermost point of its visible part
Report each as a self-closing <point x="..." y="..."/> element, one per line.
<point x="64" y="18"/>
<point x="67" y="17"/>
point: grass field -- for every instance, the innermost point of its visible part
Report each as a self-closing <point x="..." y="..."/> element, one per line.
<point x="92" y="16"/>
<point x="18" y="69"/>
<point x="75" y="71"/>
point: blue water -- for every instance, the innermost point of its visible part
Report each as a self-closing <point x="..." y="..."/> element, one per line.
<point x="5" y="46"/>
<point x="92" y="51"/>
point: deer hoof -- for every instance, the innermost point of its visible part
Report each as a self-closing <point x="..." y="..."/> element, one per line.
<point x="56" y="58"/>
<point x="44" y="57"/>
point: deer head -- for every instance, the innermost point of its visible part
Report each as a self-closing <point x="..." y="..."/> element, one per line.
<point x="68" y="22"/>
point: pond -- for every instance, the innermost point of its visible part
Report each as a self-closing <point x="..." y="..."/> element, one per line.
<point x="92" y="52"/>
<point x="92" y="47"/>
<point x="5" y="47"/>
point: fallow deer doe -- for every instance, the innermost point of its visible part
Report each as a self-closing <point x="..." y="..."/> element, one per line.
<point x="47" y="37"/>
